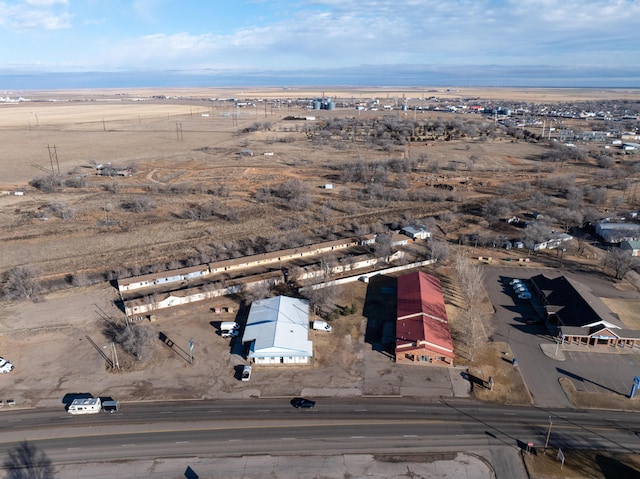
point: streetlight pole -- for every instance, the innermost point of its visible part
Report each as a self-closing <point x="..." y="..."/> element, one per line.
<point x="546" y="443"/>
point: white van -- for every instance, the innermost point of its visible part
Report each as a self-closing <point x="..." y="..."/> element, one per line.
<point x="322" y="326"/>
<point x="229" y="326"/>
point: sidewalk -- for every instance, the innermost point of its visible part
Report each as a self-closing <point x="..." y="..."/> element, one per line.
<point x="556" y="351"/>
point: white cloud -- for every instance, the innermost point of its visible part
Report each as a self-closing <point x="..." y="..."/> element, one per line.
<point x="342" y="33"/>
<point x="46" y="3"/>
<point x="35" y="14"/>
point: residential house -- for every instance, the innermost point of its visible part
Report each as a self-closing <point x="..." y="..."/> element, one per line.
<point x="416" y="232"/>
<point x="552" y="243"/>
<point x="632" y="246"/>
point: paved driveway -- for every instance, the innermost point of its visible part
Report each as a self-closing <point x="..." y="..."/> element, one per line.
<point x="588" y="371"/>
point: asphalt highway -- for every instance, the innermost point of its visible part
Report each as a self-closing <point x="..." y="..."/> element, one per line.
<point x="273" y="426"/>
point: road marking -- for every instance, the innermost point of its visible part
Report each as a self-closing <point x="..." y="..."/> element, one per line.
<point x="263" y="410"/>
<point x="357" y="437"/>
<point x="215" y="410"/>
<point x="124" y="445"/>
<point x="409" y="410"/>
<point x="509" y="413"/>
<point x="410" y="435"/>
<point x="15" y="420"/>
<point x="360" y="410"/>
<point x="182" y="442"/>
<point x="234" y="440"/>
<point x="166" y="412"/>
<point x="287" y="438"/>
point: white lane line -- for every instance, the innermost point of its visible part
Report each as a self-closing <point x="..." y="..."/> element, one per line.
<point x="357" y="437"/>
<point x="287" y="438"/>
<point x="360" y="410"/>
<point x="234" y="440"/>
<point x="409" y="410"/>
<point x="124" y="445"/>
<point x="215" y="410"/>
<point x="182" y="442"/>
<point x="410" y="435"/>
<point x="166" y="412"/>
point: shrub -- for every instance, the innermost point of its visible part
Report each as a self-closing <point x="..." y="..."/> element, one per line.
<point x="21" y="283"/>
<point x="47" y="184"/>
<point x="139" y="204"/>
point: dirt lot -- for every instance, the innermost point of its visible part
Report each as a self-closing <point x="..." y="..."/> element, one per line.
<point x="51" y="344"/>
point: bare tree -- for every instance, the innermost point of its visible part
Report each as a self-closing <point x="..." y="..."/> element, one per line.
<point x="22" y="283"/>
<point x="471" y="279"/>
<point x="567" y="217"/>
<point x="256" y="291"/>
<point x="620" y="262"/>
<point x="322" y="300"/>
<point x="26" y="461"/>
<point x="382" y="245"/>
<point x="497" y="208"/>
<point x="439" y="250"/>
<point x="135" y="339"/>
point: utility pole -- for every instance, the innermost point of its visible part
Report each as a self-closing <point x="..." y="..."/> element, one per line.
<point x="53" y="155"/>
<point x="546" y="443"/>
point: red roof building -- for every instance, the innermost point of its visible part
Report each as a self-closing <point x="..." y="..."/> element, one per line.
<point x="422" y="327"/>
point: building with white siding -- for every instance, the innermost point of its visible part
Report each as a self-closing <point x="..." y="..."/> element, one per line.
<point x="278" y="331"/>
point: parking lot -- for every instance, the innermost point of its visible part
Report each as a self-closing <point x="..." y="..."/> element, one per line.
<point x="589" y="369"/>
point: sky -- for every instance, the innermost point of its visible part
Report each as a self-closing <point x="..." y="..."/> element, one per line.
<point x="363" y="42"/>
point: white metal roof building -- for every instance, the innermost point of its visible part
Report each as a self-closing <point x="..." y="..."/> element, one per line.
<point x="278" y="329"/>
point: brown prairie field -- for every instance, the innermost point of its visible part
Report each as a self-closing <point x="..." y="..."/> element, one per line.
<point x="210" y="199"/>
<point x="171" y="144"/>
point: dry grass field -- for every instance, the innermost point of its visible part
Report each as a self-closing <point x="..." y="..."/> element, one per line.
<point x="183" y="159"/>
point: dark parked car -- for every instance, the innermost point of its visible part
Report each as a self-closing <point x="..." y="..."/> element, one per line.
<point x="535" y="321"/>
<point x="303" y="403"/>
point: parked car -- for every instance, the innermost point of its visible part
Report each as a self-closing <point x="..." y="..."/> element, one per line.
<point x="515" y="281"/>
<point x="524" y="295"/>
<point x="5" y="366"/>
<point x="303" y="403"/>
<point x="110" y="406"/>
<point x="520" y="289"/>
<point x="246" y="373"/>
<point x="531" y="321"/>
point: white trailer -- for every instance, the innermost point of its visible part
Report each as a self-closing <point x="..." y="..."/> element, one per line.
<point x="85" y="406"/>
